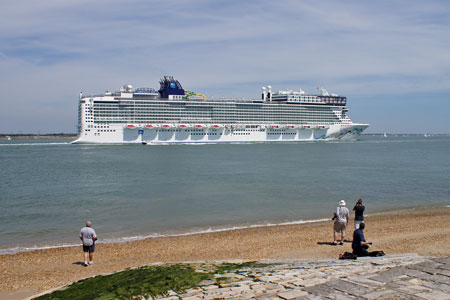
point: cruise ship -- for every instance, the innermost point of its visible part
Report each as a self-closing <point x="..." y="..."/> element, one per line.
<point x="174" y="115"/>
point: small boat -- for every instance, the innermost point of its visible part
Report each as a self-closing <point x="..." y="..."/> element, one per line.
<point x="385" y="135"/>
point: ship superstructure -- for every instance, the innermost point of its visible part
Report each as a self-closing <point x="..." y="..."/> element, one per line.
<point x="174" y="115"/>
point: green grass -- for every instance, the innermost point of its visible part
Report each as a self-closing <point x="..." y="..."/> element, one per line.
<point x="149" y="281"/>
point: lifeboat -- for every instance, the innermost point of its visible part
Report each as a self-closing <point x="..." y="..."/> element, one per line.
<point x="166" y="126"/>
<point x="274" y="126"/>
<point x="184" y="125"/>
<point x="216" y="126"/>
<point x="289" y="126"/>
<point x="151" y="126"/>
<point x="306" y="126"/>
<point x="131" y="126"/>
<point x="199" y="126"/>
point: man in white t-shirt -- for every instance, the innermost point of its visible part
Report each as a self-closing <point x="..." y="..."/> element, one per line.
<point x="340" y="222"/>
<point x="88" y="237"/>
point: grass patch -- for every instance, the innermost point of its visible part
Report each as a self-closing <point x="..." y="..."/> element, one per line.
<point x="145" y="281"/>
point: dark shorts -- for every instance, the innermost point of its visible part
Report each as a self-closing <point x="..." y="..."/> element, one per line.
<point x="89" y="248"/>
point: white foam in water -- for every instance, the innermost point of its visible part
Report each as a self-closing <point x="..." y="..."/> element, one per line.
<point x="156" y="235"/>
<point x="33" y="248"/>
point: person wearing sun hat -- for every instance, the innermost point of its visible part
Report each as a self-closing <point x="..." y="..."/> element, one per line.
<point x="340" y="222"/>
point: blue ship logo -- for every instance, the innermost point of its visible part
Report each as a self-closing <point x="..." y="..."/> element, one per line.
<point x="341" y="134"/>
<point x="173" y="85"/>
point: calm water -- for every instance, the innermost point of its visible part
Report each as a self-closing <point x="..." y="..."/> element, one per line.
<point x="48" y="190"/>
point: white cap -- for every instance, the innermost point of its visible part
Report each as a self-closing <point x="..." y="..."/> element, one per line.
<point x="342" y="203"/>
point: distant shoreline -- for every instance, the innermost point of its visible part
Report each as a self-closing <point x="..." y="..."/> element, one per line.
<point x="50" y="136"/>
<point x="405" y="134"/>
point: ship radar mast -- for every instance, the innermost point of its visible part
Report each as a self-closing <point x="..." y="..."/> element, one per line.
<point x="323" y="91"/>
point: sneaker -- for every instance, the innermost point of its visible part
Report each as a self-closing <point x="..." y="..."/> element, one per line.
<point x="85" y="264"/>
<point x="91" y="263"/>
<point x="341" y="243"/>
<point x="334" y="243"/>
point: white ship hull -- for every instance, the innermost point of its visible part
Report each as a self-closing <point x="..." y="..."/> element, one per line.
<point x="258" y="134"/>
<point x="175" y="116"/>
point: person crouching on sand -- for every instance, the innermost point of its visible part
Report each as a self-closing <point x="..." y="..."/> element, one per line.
<point x="359" y="244"/>
<point x="88" y="237"/>
<point x="340" y="222"/>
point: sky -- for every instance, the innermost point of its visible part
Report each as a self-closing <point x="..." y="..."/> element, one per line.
<point x="390" y="58"/>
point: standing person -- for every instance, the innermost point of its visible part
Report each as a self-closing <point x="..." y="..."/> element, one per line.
<point x="359" y="244"/>
<point x="88" y="237"/>
<point x="340" y="222"/>
<point x="359" y="213"/>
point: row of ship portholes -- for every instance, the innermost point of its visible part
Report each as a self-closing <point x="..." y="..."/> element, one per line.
<point x="207" y="133"/>
<point x="283" y="133"/>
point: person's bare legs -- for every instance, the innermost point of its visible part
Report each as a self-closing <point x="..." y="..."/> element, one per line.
<point x="91" y="258"/>
<point x="85" y="255"/>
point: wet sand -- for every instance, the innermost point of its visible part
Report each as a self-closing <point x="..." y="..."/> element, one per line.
<point x="425" y="231"/>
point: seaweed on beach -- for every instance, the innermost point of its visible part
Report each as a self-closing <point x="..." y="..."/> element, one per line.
<point x="228" y="267"/>
<point x="147" y="281"/>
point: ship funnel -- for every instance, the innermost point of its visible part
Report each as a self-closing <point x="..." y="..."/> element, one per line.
<point x="264" y="94"/>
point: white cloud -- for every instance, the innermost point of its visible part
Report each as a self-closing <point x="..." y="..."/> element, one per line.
<point x="223" y="47"/>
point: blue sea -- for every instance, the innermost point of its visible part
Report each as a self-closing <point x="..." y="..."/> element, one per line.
<point x="48" y="189"/>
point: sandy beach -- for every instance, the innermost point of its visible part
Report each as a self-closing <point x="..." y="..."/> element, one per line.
<point x="425" y="231"/>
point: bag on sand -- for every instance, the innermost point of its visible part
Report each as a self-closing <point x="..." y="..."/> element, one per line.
<point x="347" y="255"/>
<point x="377" y="253"/>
